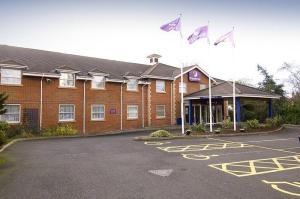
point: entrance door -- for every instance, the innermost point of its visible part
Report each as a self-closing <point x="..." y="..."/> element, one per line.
<point x="217" y="113"/>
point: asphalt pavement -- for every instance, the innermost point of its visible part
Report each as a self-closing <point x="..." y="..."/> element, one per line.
<point x="257" y="166"/>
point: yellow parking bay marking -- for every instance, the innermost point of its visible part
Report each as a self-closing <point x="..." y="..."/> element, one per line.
<point x="197" y="156"/>
<point x="156" y="143"/>
<point x="259" y="166"/>
<point x="290" y="188"/>
<point x="204" y="147"/>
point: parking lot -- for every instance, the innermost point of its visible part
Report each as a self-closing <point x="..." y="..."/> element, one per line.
<point x="257" y="166"/>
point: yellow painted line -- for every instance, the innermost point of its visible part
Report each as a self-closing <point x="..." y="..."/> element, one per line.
<point x="197" y="156"/>
<point x="203" y="147"/>
<point x="156" y="143"/>
<point x="259" y="166"/>
<point x="262" y="147"/>
<point x="293" y="185"/>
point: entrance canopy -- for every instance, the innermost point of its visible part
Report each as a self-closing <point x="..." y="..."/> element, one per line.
<point x="224" y="90"/>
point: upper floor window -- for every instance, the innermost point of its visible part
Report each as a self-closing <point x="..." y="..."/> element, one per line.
<point x="12" y="114"/>
<point x="10" y="76"/>
<point x="132" y="85"/>
<point x="67" y="80"/>
<point x="98" y="82"/>
<point x="160" y="86"/>
<point x="182" y="88"/>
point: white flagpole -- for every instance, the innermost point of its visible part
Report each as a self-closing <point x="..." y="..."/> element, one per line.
<point x="209" y="86"/>
<point x="233" y="91"/>
<point x="181" y="80"/>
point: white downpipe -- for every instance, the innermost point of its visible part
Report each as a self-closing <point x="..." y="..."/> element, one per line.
<point x="84" y="104"/>
<point x="143" y="109"/>
<point x="41" y="102"/>
<point x="121" y="111"/>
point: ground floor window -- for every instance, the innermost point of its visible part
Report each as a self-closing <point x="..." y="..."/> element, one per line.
<point x="66" y="112"/>
<point x="160" y="111"/>
<point x="98" y="112"/>
<point x="12" y="115"/>
<point x="132" y="112"/>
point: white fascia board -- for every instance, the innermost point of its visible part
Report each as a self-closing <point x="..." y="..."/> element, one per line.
<point x="41" y="74"/>
<point x="115" y="80"/>
<point x="157" y="77"/>
<point x="197" y="67"/>
<point x="13" y="66"/>
<point x="83" y="78"/>
<point x="230" y="96"/>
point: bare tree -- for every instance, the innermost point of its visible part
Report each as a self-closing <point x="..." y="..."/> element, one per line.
<point x="294" y="76"/>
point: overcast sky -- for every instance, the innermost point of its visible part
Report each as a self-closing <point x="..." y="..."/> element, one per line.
<point x="266" y="32"/>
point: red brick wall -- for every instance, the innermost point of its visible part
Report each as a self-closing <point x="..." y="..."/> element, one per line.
<point x="161" y="99"/>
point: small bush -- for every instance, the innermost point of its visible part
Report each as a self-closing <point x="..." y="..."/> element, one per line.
<point x="274" y="122"/>
<point x="200" y="128"/>
<point x="15" y="131"/>
<point x="252" y="124"/>
<point x="4" y="126"/>
<point x="160" y="133"/>
<point x="3" y="138"/>
<point x="60" y="130"/>
<point x="227" y="124"/>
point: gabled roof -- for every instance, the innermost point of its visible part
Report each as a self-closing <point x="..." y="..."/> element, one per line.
<point x="225" y="89"/>
<point x="187" y="69"/>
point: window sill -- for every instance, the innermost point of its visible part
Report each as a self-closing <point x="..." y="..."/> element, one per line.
<point x="67" y="87"/>
<point x="16" y="85"/>
<point x="98" y="120"/>
<point x="66" y="121"/>
<point x="162" y="92"/>
<point x="132" y="118"/>
<point x="132" y="91"/>
<point x="97" y="89"/>
<point x="160" y="118"/>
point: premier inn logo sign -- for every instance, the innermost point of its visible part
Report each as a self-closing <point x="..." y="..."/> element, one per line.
<point x="194" y="75"/>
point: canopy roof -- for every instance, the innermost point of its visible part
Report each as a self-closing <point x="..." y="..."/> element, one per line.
<point x="225" y="89"/>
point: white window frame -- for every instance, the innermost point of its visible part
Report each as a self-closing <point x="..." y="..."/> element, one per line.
<point x="61" y="80"/>
<point x="94" y="82"/>
<point x="66" y="120"/>
<point x="12" y="122"/>
<point x="136" y="85"/>
<point x="11" y="83"/>
<point x="164" y="87"/>
<point x="184" y="87"/>
<point x="137" y="112"/>
<point x="160" y="117"/>
<point x="97" y="119"/>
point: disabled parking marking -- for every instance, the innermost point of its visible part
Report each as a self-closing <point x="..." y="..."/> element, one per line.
<point x="204" y="147"/>
<point x="197" y="156"/>
<point x="259" y="166"/>
<point x="287" y="185"/>
<point x="156" y="143"/>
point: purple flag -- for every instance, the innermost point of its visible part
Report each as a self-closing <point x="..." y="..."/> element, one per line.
<point x="173" y="25"/>
<point x="224" y="38"/>
<point x="201" y="32"/>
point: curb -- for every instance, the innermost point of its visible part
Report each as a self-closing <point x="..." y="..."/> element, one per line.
<point x="292" y="126"/>
<point x="87" y="136"/>
<point x="204" y="136"/>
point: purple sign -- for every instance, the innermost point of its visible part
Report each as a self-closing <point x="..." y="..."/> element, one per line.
<point x="194" y="75"/>
<point x="113" y="111"/>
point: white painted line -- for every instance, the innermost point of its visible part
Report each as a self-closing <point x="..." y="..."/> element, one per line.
<point x="274" y="140"/>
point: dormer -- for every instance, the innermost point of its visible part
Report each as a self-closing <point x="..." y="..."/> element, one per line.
<point x="154" y="58"/>
<point x="98" y="78"/>
<point x="67" y="76"/>
<point x="11" y="72"/>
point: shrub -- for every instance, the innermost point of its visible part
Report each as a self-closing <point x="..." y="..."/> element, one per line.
<point x="274" y="122"/>
<point x="252" y="124"/>
<point x="200" y="128"/>
<point x="15" y="131"/>
<point x="4" y="126"/>
<point x="160" y="133"/>
<point x="227" y="124"/>
<point x="3" y="138"/>
<point x="60" y="130"/>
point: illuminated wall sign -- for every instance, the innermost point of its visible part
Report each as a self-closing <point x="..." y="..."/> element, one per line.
<point x="194" y="75"/>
